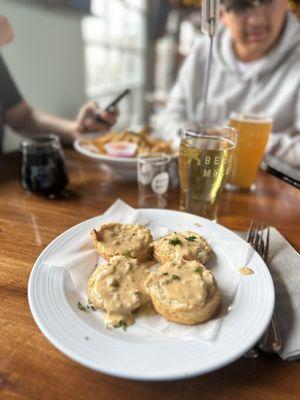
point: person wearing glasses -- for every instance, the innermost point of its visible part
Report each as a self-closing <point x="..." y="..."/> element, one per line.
<point x="24" y="119"/>
<point x="255" y="69"/>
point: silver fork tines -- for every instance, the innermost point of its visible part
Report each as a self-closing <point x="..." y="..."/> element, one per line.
<point x="256" y="241"/>
<point x="255" y="238"/>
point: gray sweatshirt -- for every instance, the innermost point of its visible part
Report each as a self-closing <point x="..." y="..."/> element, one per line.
<point x="271" y="88"/>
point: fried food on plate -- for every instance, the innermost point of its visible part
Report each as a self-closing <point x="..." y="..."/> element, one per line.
<point x="121" y="143"/>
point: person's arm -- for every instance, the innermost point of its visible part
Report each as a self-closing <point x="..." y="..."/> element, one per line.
<point x="287" y="145"/>
<point x="29" y="121"/>
<point x="26" y="120"/>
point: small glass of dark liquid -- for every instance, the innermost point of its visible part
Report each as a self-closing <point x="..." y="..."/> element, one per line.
<point x="43" y="168"/>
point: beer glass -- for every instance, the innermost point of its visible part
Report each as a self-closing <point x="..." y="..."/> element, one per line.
<point x="253" y="134"/>
<point x="205" y="158"/>
<point x="43" y="167"/>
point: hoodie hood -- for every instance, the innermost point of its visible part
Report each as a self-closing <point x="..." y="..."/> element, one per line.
<point x="287" y="44"/>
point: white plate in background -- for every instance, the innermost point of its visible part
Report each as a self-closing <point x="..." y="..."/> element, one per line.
<point x="122" y="168"/>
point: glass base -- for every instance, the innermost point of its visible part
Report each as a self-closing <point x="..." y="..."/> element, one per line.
<point x="202" y="209"/>
<point x="231" y="187"/>
<point x="212" y="218"/>
<point x="152" y="201"/>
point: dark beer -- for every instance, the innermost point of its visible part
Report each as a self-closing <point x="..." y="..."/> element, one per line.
<point x="43" y="168"/>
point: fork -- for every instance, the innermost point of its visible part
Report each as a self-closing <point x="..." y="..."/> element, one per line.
<point x="271" y="341"/>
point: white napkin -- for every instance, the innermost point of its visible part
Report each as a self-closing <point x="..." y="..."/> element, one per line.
<point x="284" y="263"/>
<point x="79" y="258"/>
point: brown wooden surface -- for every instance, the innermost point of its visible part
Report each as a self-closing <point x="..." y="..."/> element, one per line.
<point x="31" y="368"/>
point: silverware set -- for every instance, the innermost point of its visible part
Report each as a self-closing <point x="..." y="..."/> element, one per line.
<point x="258" y="237"/>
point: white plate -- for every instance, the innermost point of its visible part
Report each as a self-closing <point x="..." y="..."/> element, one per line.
<point x="120" y="167"/>
<point x="137" y="354"/>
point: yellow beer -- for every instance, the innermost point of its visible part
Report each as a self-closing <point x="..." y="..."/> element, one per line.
<point x="204" y="166"/>
<point x="253" y="134"/>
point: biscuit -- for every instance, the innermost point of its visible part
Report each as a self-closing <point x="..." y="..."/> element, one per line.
<point x="184" y="292"/>
<point x="132" y="241"/>
<point x="187" y="245"/>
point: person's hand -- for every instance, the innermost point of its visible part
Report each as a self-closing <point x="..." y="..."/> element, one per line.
<point x="92" y="119"/>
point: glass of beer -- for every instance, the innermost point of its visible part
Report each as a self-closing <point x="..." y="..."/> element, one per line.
<point x="253" y="134"/>
<point x="205" y="158"/>
<point x="43" y="168"/>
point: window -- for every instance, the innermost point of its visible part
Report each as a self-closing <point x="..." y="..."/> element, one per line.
<point x="114" y="39"/>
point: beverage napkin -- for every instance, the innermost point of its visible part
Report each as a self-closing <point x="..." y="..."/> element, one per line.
<point x="284" y="264"/>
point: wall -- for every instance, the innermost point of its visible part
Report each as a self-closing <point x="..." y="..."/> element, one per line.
<point x="46" y="58"/>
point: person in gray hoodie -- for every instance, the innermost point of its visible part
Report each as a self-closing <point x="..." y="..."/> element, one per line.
<point x="255" y="69"/>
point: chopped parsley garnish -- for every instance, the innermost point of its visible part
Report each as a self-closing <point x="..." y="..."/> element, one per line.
<point x="199" y="270"/>
<point x="175" y="241"/>
<point x="127" y="254"/>
<point x="176" y="278"/>
<point x="90" y="307"/>
<point x="80" y="306"/>
<point x="191" y="238"/>
<point x="121" y="324"/>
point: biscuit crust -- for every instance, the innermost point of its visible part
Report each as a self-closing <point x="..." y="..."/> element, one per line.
<point x="186" y="245"/>
<point x="131" y="241"/>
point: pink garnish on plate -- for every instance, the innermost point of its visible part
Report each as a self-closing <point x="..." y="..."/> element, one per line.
<point x="121" y="149"/>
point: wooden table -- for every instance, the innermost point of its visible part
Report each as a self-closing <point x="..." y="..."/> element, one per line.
<point x="31" y="368"/>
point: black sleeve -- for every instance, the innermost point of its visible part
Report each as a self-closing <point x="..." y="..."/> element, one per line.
<point x="9" y="93"/>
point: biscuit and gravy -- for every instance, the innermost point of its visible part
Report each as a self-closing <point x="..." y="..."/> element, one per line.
<point x="118" y="288"/>
<point x="127" y="240"/>
<point x="181" y="289"/>
<point x="184" y="292"/>
<point x="187" y="245"/>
